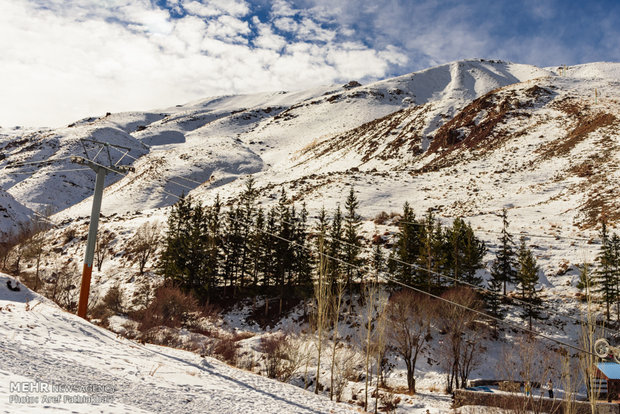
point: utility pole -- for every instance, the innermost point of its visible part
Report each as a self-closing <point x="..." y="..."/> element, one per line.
<point x="101" y="171"/>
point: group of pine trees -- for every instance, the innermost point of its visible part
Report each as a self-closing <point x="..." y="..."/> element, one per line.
<point x="239" y="251"/>
<point x="429" y="256"/>
<point x="518" y="267"/>
<point x="244" y="249"/>
<point x="606" y="280"/>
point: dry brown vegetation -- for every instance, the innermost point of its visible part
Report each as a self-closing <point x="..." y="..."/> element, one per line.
<point x="585" y="126"/>
<point x="469" y="130"/>
<point x="383" y="138"/>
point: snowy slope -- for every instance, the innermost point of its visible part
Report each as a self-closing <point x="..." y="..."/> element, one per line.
<point x="11" y="213"/>
<point x="45" y="345"/>
<point x="465" y="138"/>
<point x="215" y="141"/>
<point x="50" y="178"/>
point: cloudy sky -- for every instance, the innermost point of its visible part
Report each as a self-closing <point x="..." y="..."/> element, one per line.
<point x="61" y="60"/>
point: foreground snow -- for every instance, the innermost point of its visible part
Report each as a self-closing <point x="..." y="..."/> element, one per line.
<point x="43" y="344"/>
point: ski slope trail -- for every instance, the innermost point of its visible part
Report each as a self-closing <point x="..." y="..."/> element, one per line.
<point x="94" y="371"/>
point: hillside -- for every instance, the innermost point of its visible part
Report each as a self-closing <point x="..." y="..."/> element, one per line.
<point x="45" y="345"/>
<point x="464" y="139"/>
<point x="216" y="140"/>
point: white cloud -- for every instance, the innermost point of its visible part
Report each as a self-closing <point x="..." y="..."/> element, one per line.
<point x="286" y="24"/>
<point x="62" y="61"/>
<point x="228" y="27"/>
<point x="266" y="37"/>
<point x="208" y="8"/>
<point x="282" y="8"/>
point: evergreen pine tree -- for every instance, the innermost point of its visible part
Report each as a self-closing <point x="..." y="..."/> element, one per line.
<point x="493" y="299"/>
<point x="614" y="252"/>
<point x="335" y="250"/>
<point x="322" y="228"/>
<point x="198" y="247"/>
<point x="268" y="261"/>
<point x="430" y="258"/>
<point x="214" y="243"/>
<point x="464" y="253"/>
<point x="378" y="262"/>
<point x="473" y="254"/>
<point x="185" y="246"/>
<point x="527" y="276"/>
<point x="439" y="252"/>
<point x="605" y="280"/>
<point x="352" y="247"/>
<point x="257" y="246"/>
<point x="454" y="249"/>
<point x="247" y="212"/>
<point x="283" y="254"/>
<point x="503" y="268"/>
<point x="407" y="248"/>
<point x="173" y="257"/>
<point x="233" y="244"/>
<point x="303" y="256"/>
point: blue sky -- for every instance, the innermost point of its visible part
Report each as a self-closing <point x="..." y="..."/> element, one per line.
<point x="62" y="60"/>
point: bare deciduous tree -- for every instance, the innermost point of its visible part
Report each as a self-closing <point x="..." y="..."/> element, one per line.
<point x="461" y="349"/>
<point x="33" y="241"/>
<point x="102" y="247"/>
<point x="380" y="345"/>
<point x="527" y="361"/>
<point x="144" y="243"/>
<point x="336" y="302"/>
<point x="590" y="332"/>
<point x="321" y="293"/>
<point x="408" y="316"/>
<point x="283" y="357"/>
<point x="6" y="245"/>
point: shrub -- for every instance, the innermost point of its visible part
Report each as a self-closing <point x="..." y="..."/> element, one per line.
<point x="390" y="402"/>
<point x="282" y="358"/>
<point x="225" y="349"/>
<point x="69" y="235"/>
<point x="113" y="300"/>
<point x="170" y="307"/>
<point x="381" y="218"/>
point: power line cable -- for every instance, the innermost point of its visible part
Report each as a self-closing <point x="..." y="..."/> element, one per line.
<point x="180" y="177"/>
<point x="471" y="285"/>
<point x="48" y="172"/>
<point x="512" y="325"/>
<point x="533" y="235"/>
<point x="501" y="321"/>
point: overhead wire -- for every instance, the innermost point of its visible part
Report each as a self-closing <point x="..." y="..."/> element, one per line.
<point x="411" y="265"/>
<point x="49" y="172"/>
<point x="471" y="285"/>
<point x="532" y="235"/>
<point x="478" y="312"/>
<point x="179" y="177"/>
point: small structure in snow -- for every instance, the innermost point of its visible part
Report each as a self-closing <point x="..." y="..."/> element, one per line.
<point x="610" y="373"/>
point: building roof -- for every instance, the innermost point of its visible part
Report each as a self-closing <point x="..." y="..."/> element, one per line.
<point x="610" y="369"/>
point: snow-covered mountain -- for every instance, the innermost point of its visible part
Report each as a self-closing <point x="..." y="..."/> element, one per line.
<point x="466" y="139"/>
<point x="12" y="213"/>
<point x="211" y="142"/>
